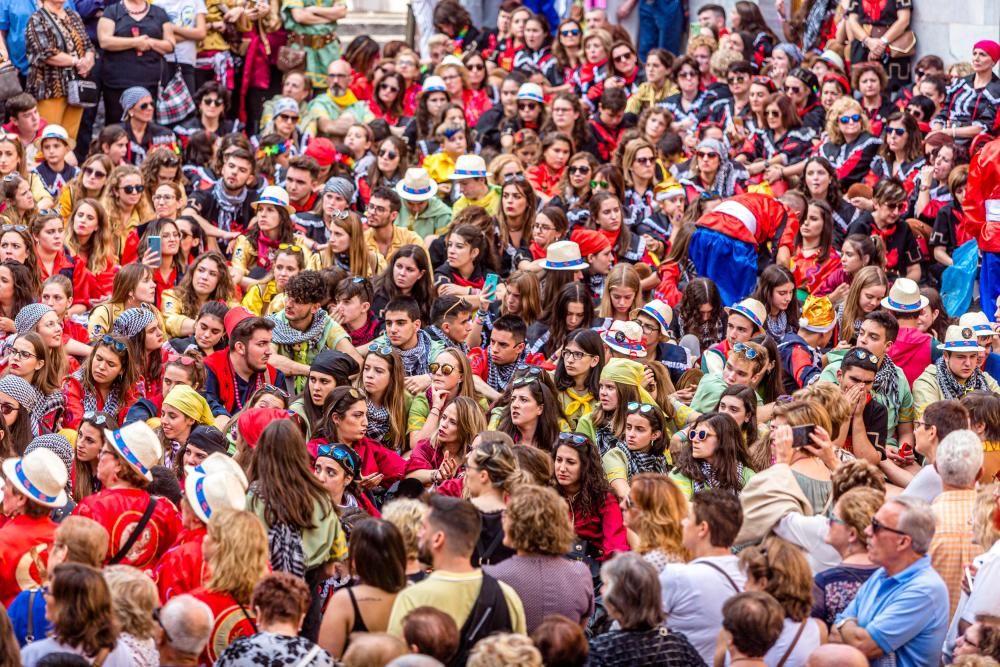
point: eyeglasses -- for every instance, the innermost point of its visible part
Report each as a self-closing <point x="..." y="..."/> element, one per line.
<point x="864" y="355"/>
<point x="289" y="246"/>
<point x="745" y="350"/>
<point x="96" y="417"/>
<point x="338" y="454"/>
<point x="853" y="118"/>
<point x="573" y="438"/>
<point x="832" y="519"/>
<point x="379" y="210"/>
<point x="898" y="131"/>
<point x="895" y="206"/>
<point x="388" y="154"/>
<point x="878" y="525"/>
<point x="600" y="184"/>
<point x="580" y="169"/>
<point x="14" y="228"/>
<point x="156" y="617"/>
<point x="527" y="106"/>
<point x="446" y="369"/>
<point x="213" y="101"/>
<point x="571" y="32"/>
<point x="697" y="435"/>
<point x="270" y="388"/>
<point x="706" y="155"/>
<point x="7" y="408"/>
<point x="773" y="113"/>
<point x="133" y="189"/>
<point x="115" y="344"/>
<point x="645" y="161"/>
<point x="737" y="79"/>
<point x="641" y="408"/>
<point x="919" y="72"/>
<point x="386" y="86"/>
<point x="380" y="349"/>
<point x="94" y="173"/>
<point x="575" y="355"/>
<point x="45" y="212"/>
<point x="648" y="328"/>
<point x="542" y="227"/>
<point x="687" y="75"/>
<point x="624" y="57"/>
<point x="20" y="354"/>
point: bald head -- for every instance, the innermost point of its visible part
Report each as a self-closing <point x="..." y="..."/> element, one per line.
<point x="836" y="655"/>
<point x="187" y="623"/>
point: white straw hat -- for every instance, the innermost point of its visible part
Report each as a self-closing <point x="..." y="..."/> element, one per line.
<point x="219" y="490"/>
<point x="905" y="297"/>
<point x="960" y="339"/>
<point x="659" y="311"/>
<point x="219" y="462"/>
<point x="626" y="338"/>
<point x="40" y="475"/>
<point x="275" y="196"/>
<point x="978" y="322"/>
<point x="752" y="309"/>
<point x="469" y="166"/>
<point x="138" y="445"/>
<point x="417" y="185"/>
<point x="563" y="256"/>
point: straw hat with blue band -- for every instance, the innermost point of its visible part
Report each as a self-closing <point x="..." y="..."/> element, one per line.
<point x="40" y="475"/>
<point x="563" y="256"/>
<point x="960" y="339"/>
<point x="218" y="462"/>
<point x="433" y="84"/>
<point x="659" y="311"/>
<point x="978" y="322"/>
<point x="417" y="185"/>
<point x="274" y="196"/>
<point x="752" y="309"/>
<point x="531" y="92"/>
<point x="905" y="297"/>
<point x="469" y="166"/>
<point x="213" y="492"/>
<point x="138" y="446"/>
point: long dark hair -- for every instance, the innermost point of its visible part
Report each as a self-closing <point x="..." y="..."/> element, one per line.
<point x="834" y="194"/>
<point x="825" y="236"/>
<point x="396" y="109"/>
<point x="772" y="385"/>
<point x="573" y="293"/>
<point x="424" y="120"/>
<point x="752" y="21"/>
<point x="286" y="230"/>
<point x="423" y="290"/>
<point x="771" y="279"/>
<point x="224" y="290"/>
<point x="581" y="128"/>
<point x="283" y="478"/>
<point x="591" y="343"/>
<point x="594" y="485"/>
<point x="597" y="200"/>
<point x="82" y="613"/>
<point x="338" y="402"/>
<point x="375" y="175"/>
<point x="127" y="377"/>
<point x="547" y="426"/>
<point x="23" y="280"/>
<point x="730" y="451"/>
<point x="697" y="293"/>
<point x="748" y="397"/>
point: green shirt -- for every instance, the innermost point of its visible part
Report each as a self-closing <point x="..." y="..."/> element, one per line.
<point x="432" y="220"/>
<point x="320" y="544"/>
<point x="304" y="353"/>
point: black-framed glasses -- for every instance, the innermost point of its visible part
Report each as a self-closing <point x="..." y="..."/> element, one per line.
<point x="745" y="350"/>
<point x="575" y="355"/>
<point x="527" y="106"/>
<point x="113" y="343"/>
<point x="878" y="525"/>
<point x="641" y="408"/>
<point x="898" y="131"/>
<point x="21" y="354"/>
<point x="388" y="154"/>
<point x="213" y="101"/>
<point x="159" y="622"/>
<point x="338" y="454"/>
<point x="795" y="90"/>
<point x="384" y="350"/>
<point x="624" y="57"/>
<point x="446" y="369"/>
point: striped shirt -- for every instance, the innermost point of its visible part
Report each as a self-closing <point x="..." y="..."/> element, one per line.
<point x="952" y="547"/>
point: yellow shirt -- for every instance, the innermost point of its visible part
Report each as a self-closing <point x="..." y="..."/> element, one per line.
<point x="264" y="299"/>
<point x="490" y="202"/>
<point x="400" y="237"/>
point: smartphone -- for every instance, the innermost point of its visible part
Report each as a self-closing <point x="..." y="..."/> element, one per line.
<point x="154" y="245"/>
<point x="490" y="284"/>
<point x="906" y="450"/>
<point x="801" y="435"/>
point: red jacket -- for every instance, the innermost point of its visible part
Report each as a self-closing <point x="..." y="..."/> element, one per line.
<point x="73" y="390"/>
<point x="911" y="351"/>
<point x="218" y="363"/>
<point x="606" y="531"/>
<point x="119" y="510"/>
<point x="374" y="458"/>
<point x="19" y="537"/>
<point x="982" y="198"/>
<point x="182" y="569"/>
<point x="753" y="218"/>
<point x="231" y="623"/>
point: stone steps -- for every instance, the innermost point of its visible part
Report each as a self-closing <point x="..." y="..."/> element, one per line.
<point x="380" y="23"/>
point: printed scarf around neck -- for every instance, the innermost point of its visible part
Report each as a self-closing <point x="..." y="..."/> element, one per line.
<point x="286" y="334"/>
<point x="951" y="388"/>
<point x="378" y="421"/>
<point x="415" y="360"/>
<point x="229" y="206"/>
<point x="498" y="376"/>
<point x="90" y="399"/>
<point x="638" y="462"/>
<point x="711" y="482"/>
<point x="887" y="381"/>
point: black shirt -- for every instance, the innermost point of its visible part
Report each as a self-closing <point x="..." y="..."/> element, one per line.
<point x="901" y="246"/>
<point x="876" y="419"/>
<point x="207" y="206"/>
<point x="123" y="69"/>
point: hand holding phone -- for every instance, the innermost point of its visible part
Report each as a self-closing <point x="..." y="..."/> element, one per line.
<point x="801" y="435"/>
<point x="489" y="290"/>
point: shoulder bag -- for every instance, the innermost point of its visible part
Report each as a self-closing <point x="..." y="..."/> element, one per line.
<point x="136" y="532"/>
<point x="79" y="92"/>
<point x="904" y="45"/>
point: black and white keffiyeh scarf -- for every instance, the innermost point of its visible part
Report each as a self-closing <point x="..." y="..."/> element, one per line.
<point x="887" y="381"/>
<point x="378" y="421"/>
<point x="642" y="461"/>
<point x="438" y="334"/>
<point x="498" y="376"/>
<point x="286" y="334"/>
<point x="711" y="482"/>
<point x="90" y="399"/>
<point x="415" y="360"/>
<point x="951" y="388"/>
<point x="605" y="440"/>
<point x="229" y="205"/>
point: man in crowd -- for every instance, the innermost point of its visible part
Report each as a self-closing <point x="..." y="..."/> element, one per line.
<point x="869" y="419"/>
<point x="956" y="373"/>
<point x="235" y="372"/>
<point x="502" y="356"/>
<point x="224" y="211"/>
<point x="901" y="611"/>
<point x="302" y="183"/>
<point x="404" y="332"/>
<point x="335" y="110"/>
<point x="423" y="212"/>
<point x="751" y="624"/>
<point x="383" y="236"/>
<point x="452" y="321"/>
<point x="470" y="176"/>
<point x="185" y="628"/>
<point x="800" y="352"/>
<point x="746" y="320"/>
<point x="939" y="421"/>
<point x="913" y="349"/>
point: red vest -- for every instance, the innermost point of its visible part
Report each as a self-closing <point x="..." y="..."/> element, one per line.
<point x="119" y="510"/>
<point x="218" y="363"/>
<point x="18" y="565"/>
<point x="231" y="623"/>
<point x="182" y="569"/>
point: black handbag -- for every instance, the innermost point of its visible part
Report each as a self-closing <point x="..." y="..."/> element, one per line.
<point x="10" y="81"/>
<point x="79" y="92"/>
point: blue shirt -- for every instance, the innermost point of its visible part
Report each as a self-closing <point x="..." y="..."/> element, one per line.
<point x="14" y="15"/>
<point x="19" y="612"/>
<point x="906" y="614"/>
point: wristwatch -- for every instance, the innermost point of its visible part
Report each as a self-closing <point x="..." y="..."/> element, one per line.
<point x="883" y="40"/>
<point x="840" y="624"/>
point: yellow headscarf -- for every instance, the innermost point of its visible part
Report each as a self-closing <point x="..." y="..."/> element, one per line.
<point x="191" y="403"/>
<point x="627" y="371"/>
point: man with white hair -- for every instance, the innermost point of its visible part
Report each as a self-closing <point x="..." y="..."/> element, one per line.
<point x="901" y="612"/>
<point x="185" y="628"/>
<point x="959" y="460"/>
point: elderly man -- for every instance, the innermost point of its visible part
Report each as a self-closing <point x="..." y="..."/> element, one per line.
<point x="900" y="613"/>
<point x="186" y="624"/>
<point x="334" y="111"/>
<point x="959" y="461"/>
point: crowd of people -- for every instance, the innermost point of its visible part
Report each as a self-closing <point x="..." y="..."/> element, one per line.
<point x="535" y="342"/>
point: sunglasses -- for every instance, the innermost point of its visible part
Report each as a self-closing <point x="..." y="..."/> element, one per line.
<point x="95" y="418"/>
<point x="573" y="438"/>
<point x="624" y="57"/>
<point x="898" y="131"/>
<point x="773" y="113"/>
<point x="386" y="86"/>
<point x="389" y="155"/>
<point x="645" y="161"/>
<point x="133" y="189"/>
<point x="687" y="75"/>
<point x="522" y="381"/>
<point x="853" y="118"/>
<point x="145" y="106"/>
<point x="697" y="435"/>
<point x="114" y="344"/>
<point x="17" y="228"/>
<point x="514" y="178"/>
<point x="745" y="350"/>
<point x="286" y="117"/>
<point x="582" y="169"/>
<point x="641" y="408"/>
<point x="572" y="32"/>
<point x="878" y="526"/>
<point x="919" y="72"/>
<point x="213" y="101"/>
<point x="271" y="389"/>
<point x="706" y="155"/>
<point x="476" y="68"/>
<point x="898" y="206"/>
<point x="290" y="246"/>
<point x="380" y="349"/>
<point x="795" y="90"/>
<point x="446" y="369"/>
<point x="737" y="79"/>
<point x="96" y="173"/>
<point x="527" y="106"/>
<point x="600" y="184"/>
<point x="156" y="617"/>
<point x="830" y="520"/>
<point x="338" y="454"/>
<point x="7" y="408"/>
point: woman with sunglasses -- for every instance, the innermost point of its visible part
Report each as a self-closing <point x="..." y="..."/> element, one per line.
<point x="451" y="377"/>
<point x="107" y="381"/>
<point x="532" y="414"/>
<point x="901" y="155"/>
<point x="713" y="172"/>
<point x="567" y="48"/>
<point x="346" y="421"/>
<point x="639" y="167"/>
<point x="848" y="145"/>
<point x="89" y="438"/>
<point x="442" y="457"/>
<point x="390" y="165"/>
<point x="783" y="143"/>
<point x="714" y="457"/>
<point x="126" y="208"/>
<point x="205" y="280"/>
<point x="580" y="479"/>
<point x="388" y="403"/>
<point x="686" y="105"/>
<point x="887" y="221"/>
<point x="802" y="88"/>
<point x="578" y="374"/>
<point x="575" y="189"/>
<point x="212" y="102"/>
<point x="91" y="181"/>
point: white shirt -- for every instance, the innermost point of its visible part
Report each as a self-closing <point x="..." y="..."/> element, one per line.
<point x="35" y="651"/>
<point x="693" y="595"/>
<point x="986" y="582"/>
<point x="809" y="532"/>
<point x="926" y="484"/>
<point x="182" y="14"/>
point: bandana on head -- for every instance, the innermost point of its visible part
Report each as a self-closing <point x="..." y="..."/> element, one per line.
<point x="29" y="316"/>
<point x="22" y="392"/>
<point x="253" y="421"/>
<point x="132" y="322"/>
<point x="191" y="403"/>
<point x="627" y="372"/>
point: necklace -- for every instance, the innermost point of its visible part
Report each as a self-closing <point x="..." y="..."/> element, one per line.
<point x="136" y="12"/>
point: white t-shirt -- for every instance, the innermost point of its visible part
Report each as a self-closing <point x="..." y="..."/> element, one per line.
<point x="182" y="14"/>
<point x="926" y="484"/>
<point x="809" y="532"/>
<point x="35" y="651"/>
<point x="693" y="595"/>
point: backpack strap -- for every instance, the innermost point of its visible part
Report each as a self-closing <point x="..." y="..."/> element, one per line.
<point x="722" y="572"/>
<point x="136" y="532"/>
<point x="489" y="614"/>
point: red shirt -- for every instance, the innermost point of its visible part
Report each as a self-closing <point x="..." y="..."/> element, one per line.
<point x="231" y="623"/>
<point x="119" y="510"/>
<point x="18" y="569"/>
<point x="605" y="530"/>
<point x="182" y="569"/>
<point x="984" y="190"/>
<point x="754" y="219"/>
<point x="374" y="458"/>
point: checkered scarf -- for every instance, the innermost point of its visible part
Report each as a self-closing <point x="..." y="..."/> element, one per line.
<point x="887" y="381"/>
<point x="498" y="376"/>
<point x="415" y="361"/>
<point x="378" y="421"/>
<point x="951" y="388"/>
<point x="286" y="334"/>
<point x="90" y="399"/>
<point x="132" y="322"/>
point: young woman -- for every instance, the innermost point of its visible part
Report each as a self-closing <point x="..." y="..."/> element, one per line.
<point x="868" y="288"/>
<point x="255" y="251"/>
<point x="783" y="142"/>
<point x="205" y="280"/>
<point x="574" y="309"/>
<point x="717" y="457"/>
<point x="91" y="243"/>
<point x="451" y="377"/>
<point x="388" y="403"/>
<point x="848" y="144"/>
<point x="408" y="273"/>
<point x="106" y="382"/>
<point x="536" y="56"/>
<point x="653" y="513"/>
<point x="578" y="374"/>
<point x="821" y="183"/>
<point x="685" y="105"/>
<point x="46" y="243"/>
<point x="12" y="159"/>
<point x="391" y="162"/>
<point x="776" y="290"/>
<point x="566" y="49"/>
<point x="346" y="421"/>
<point x="57" y="294"/>
<point x="16" y="292"/>
<point x="18" y="202"/>
<point x="456" y="83"/>
<point x="183" y="410"/>
<point x="608" y="217"/>
<point x="575" y="189"/>
<point x="168" y="200"/>
<point x="888" y="222"/>
<point x="442" y="457"/>
<point x="622" y="295"/>
<point x="419" y="133"/>
<point x="550" y="226"/>
<point x="113" y="142"/>
<point x="594" y="70"/>
<point x="133" y="288"/>
<point x="579" y="478"/>
<point x="856" y="252"/>
<point x="126" y="208"/>
<point x="901" y="155"/>
<point x="531" y="417"/>
<point x="639" y="167"/>
<point x="268" y="297"/>
<point x="518" y="204"/>
<point x="169" y="270"/>
<point x="18" y="245"/>
<point x="700" y="313"/>
<point x="546" y="176"/>
<point x="645" y="439"/>
<point x="43" y="367"/>
<point x="141" y="328"/>
<point x="347" y="248"/>
<point x="212" y="102"/>
<point x="89" y="438"/>
<point x="162" y="166"/>
<point x="209" y="332"/>
<point x="814" y="257"/>
<point x="338" y="469"/>
<point x="91" y="182"/>
<point x="465" y="269"/>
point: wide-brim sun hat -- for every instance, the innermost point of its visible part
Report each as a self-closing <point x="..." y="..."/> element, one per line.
<point x="563" y="256"/>
<point x="960" y="339"/>
<point x="905" y="297"/>
<point x="212" y="492"/>
<point x="469" y="166"/>
<point x="416" y="185"/>
<point x="625" y="338"/>
<point x="660" y="311"/>
<point x="274" y="195"/>
<point x="40" y="475"/>
<point x="138" y="445"/>
<point x="752" y="309"/>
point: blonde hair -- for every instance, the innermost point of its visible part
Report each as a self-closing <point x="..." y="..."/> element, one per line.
<point x="241" y="553"/>
<point x="700" y="40"/>
<point x="621" y="275"/>
<point x="109" y="201"/>
<point x="857" y="507"/>
<point x="832" y="399"/>
<point x="600" y="34"/>
<point x="785" y="573"/>
<point x="984" y="531"/>
<point x="133" y="599"/>
<point x="841" y="106"/>
<point x="361" y="260"/>
<point x="867" y="276"/>
<point x="406" y="514"/>
<point x="662" y="506"/>
<point x="538" y="521"/>
<point x="498" y="163"/>
<point x="505" y="650"/>
<point x="632" y="148"/>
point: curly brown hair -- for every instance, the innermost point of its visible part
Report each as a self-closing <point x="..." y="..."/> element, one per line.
<point x="856" y="509"/>
<point x="784" y="572"/>
<point x="854" y="474"/>
<point x="538" y="521"/>
<point x="661" y="507"/>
